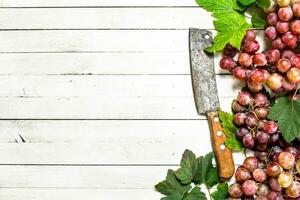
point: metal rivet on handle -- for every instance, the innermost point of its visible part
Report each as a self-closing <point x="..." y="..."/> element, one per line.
<point x="219" y="133"/>
<point x="216" y="119"/>
<point x="222" y="147"/>
<point x="207" y="36"/>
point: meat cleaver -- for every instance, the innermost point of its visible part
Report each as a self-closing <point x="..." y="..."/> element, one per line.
<point x="206" y="97"/>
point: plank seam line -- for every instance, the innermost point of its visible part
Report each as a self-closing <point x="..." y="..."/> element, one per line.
<point x="71" y="7"/>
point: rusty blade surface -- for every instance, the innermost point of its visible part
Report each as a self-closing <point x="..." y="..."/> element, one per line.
<point x="203" y="72"/>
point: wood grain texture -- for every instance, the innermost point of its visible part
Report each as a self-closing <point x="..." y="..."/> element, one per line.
<point x="77" y="194"/>
<point x="150" y="41"/>
<point x="107" y="86"/>
<point x="143" y="63"/>
<point x="107" y="108"/>
<point x="83" y="3"/>
<point x="105" y="18"/>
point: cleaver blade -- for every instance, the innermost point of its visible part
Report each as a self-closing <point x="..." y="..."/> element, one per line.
<point x="206" y="97"/>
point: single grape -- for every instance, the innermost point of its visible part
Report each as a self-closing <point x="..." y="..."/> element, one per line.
<point x="250" y="163"/>
<point x="270" y="127"/>
<point x="261" y="112"/>
<point x="254" y="87"/>
<point x="287" y="53"/>
<point x="262" y="137"/>
<point x="285" y="179"/>
<point x="240" y="73"/>
<point x="274" y="81"/>
<point x="272" y="19"/>
<point x="229" y="51"/>
<point x="251" y="47"/>
<point x="249" y="187"/>
<point x="239" y="118"/>
<point x="248" y="141"/>
<point x="263" y="190"/>
<point x="242" y="174"/>
<point x="260" y="59"/>
<point x="282" y="27"/>
<point x="271" y="32"/>
<point x="273" y="56"/>
<point x="241" y="132"/>
<point x="235" y="190"/>
<point x="290" y="40"/>
<point x="275" y="196"/>
<point x="236" y="107"/>
<point x="261" y="155"/>
<point x="251" y="120"/>
<point x="295" y="27"/>
<point x="245" y="60"/>
<point x="274" y="185"/>
<point x="259" y="175"/>
<point x="283" y="3"/>
<point x="274" y="169"/>
<point x="227" y="63"/>
<point x="293" y="75"/>
<point x="285" y="14"/>
<point x="244" y="98"/>
<point x="295" y="61"/>
<point x="283" y="65"/>
<point x="293" y="190"/>
<point x="274" y="138"/>
<point x="261" y="100"/>
<point x="250" y="35"/>
<point x="278" y="44"/>
<point x="258" y="76"/>
<point x="286" y="160"/>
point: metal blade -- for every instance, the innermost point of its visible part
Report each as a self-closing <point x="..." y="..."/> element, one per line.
<point x="203" y="72"/>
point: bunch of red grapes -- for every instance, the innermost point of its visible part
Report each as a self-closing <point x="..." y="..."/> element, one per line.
<point x="273" y="173"/>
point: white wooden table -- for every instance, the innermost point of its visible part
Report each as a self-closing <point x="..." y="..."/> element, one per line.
<point x="95" y="97"/>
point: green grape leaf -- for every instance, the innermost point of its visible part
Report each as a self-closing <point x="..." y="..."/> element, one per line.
<point x="221" y="193"/>
<point x="195" y="194"/>
<point x="231" y="29"/>
<point x="263" y="3"/>
<point x="287" y="113"/>
<point x="230" y="24"/>
<point x="258" y="22"/>
<point x="246" y="2"/>
<point x="189" y="168"/>
<point x="232" y="142"/>
<point x="209" y="173"/>
<point x="172" y="188"/>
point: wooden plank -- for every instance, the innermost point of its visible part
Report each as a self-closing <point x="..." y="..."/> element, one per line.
<point x="83" y="177"/>
<point x="83" y="3"/>
<point x="94" y="63"/>
<point x="95" y="41"/>
<point x="97" y="63"/>
<point x="160" y="152"/>
<point x="109" y="86"/>
<point x="83" y="142"/>
<point x="101" y="131"/>
<point x="105" y="18"/>
<point x="102" y="108"/>
<point x="77" y="194"/>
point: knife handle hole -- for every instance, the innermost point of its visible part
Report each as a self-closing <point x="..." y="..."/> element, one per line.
<point x="219" y="133"/>
<point x="216" y="119"/>
<point x="207" y="37"/>
<point x="222" y="147"/>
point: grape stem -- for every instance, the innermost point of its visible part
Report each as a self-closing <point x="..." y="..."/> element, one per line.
<point x="208" y="191"/>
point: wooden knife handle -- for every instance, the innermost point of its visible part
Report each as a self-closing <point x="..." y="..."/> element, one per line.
<point x="223" y="154"/>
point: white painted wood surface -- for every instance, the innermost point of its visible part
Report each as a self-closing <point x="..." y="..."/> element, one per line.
<point x="96" y="97"/>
